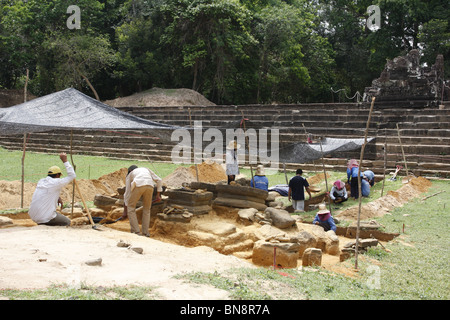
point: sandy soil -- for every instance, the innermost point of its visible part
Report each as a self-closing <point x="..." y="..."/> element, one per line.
<point x="57" y="255"/>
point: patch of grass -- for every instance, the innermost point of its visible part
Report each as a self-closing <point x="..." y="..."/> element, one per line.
<point x="64" y="292"/>
<point x="87" y="167"/>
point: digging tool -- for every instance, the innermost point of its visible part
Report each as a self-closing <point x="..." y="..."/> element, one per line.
<point x="114" y="221"/>
<point x="85" y="206"/>
<point x="394" y="177"/>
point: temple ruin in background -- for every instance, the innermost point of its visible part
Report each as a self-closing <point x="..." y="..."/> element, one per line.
<point x="403" y="78"/>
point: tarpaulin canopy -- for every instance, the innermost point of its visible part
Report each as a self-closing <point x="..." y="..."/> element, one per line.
<point x="305" y="152"/>
<point x="69" y="109"/>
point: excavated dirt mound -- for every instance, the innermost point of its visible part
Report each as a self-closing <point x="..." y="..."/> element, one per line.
<point x="162" y="97"/>
<point x="210" y="172"/>
<point x="391" y="200"/>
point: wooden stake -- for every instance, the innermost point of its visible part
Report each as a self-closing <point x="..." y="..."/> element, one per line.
<point x="359" y="183"/>
<point x="190" y="124"/>
<point x="74" y="169"/>
<point x="434" y="194"/>
<point x="248" y="149"/>
<point x="325" y="176"/>
<point x="84" y="202"/>
<point x="403" y="152"/>
<point x="385" y="160"/>
<point x="24" y="146"/>
<point x="285" y="174"/>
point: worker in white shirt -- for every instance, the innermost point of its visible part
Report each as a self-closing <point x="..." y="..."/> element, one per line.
<point x="140" y="182"/>
<point x="46" y="197"/>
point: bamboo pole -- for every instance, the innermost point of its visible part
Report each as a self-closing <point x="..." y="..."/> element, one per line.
<point x="325" y="175"/>
<point x="190" y="124"/>
<point x="359" y="183"/>
<point x="74" y="169"/>
<point x="248" y="148"/>
<point x="285" y="174"/>
<point x="385" y="160"/>
<point x="403" y="152"/>
<point x="24" y="146"/>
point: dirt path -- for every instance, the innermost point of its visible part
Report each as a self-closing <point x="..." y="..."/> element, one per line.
<point x="57" y="255"/>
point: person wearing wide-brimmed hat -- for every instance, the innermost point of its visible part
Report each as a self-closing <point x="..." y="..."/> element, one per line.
<point x="338" y="192"/>
<point x="46" y="197"/>
<point x="231" y="160"/>
<point x="324" y="219"/>
<point x="260" y="181"/>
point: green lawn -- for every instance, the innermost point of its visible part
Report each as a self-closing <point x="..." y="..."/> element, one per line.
<point x="87" y="167"/>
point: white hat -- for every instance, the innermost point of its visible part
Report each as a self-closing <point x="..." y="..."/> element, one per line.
<point x="233" y="145"/>
<point x="323" y="209"/>
<point x="260" y="170"/>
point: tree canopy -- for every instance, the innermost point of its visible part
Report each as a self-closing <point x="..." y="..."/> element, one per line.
<point x="231" y="51"/>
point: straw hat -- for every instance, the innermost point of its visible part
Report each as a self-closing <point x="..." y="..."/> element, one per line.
<point x="323" y="209"/>
<point x="233" y="145"/>
<point x="260" y="170"/>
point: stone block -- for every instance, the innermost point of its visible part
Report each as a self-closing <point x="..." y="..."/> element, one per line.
<point x="247" y="216"/>
<point x="280" y="218"/>
<point x="312" y="257"/>
<point x="305" y="240"/>
<point x="283" y="254"/>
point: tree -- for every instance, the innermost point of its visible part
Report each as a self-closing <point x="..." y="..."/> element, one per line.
<point x="77" y="58"/>
<point x="291" y="54"/>
<point x="434" y="37"/>
<point x="211" y="37"/>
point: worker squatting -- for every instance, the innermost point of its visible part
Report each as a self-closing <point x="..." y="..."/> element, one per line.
<point x="251" y="141"/>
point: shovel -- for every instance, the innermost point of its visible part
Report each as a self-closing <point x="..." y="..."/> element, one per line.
<point x="86" y="207"/>
<point x="114" y="221"/>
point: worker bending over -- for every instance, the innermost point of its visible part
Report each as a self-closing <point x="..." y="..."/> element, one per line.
<point x="140" y="182"/>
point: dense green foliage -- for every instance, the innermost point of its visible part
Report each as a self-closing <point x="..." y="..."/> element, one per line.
<point x="231" y="51"/>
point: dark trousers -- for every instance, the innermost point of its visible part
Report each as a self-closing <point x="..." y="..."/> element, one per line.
<point x="325" y="225"/>
<point x="59" y="220"/>
<point x="338" y="199"/>
<point x="354" y="187"/>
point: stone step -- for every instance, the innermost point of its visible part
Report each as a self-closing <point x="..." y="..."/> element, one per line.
<point x="424" y="131"/>
<point x="165" y="152"/>
<point x="335" y="164"/>
<point x="376" y="149"/>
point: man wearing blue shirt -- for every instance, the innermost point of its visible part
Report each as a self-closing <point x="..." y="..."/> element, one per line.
<point x="260" y="180"/>
<point x="365" y="187"/>
<point x="370" y="177"/>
